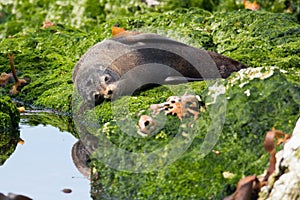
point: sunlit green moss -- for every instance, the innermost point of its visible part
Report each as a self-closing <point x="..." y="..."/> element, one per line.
<point x="48" y="56"/>
<point x="271" y="102"/>
<point x="9" y="123"/>
<point x="260" y="38"/>
<point x="8" y="142"/>
<point x="9" y="114"/>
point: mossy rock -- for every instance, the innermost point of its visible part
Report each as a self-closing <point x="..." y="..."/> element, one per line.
<point x="48" y="56"/>
<point x="8" y="143"/>
<point x="9" y="123"/>
<point x="257" y="100"/>
<point x="9" y="114"/>
<point x="21" y="15"/>
<point x="261" y="38"/>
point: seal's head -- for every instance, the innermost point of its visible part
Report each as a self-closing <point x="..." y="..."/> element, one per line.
<point x="95" y="84"/>
<point x="106" y="87"/>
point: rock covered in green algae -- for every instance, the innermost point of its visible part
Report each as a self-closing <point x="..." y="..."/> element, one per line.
<point x="257" y="100"/>
<point x="245" y="36"/>
<point x="9" y="122"/>
<point x="27" y="14"/>
<point x="23" y="15"/>
<point x="9" y="114"/>
<point x="8" y="142"/>
<point x="255" y="38"/>
<point x="48" y="56"/>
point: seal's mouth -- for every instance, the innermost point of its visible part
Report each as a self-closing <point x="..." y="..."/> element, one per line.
<point x="105" y="92"/>
<point x="98" y="99"/>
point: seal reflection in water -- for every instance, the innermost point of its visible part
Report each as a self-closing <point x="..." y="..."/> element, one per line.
<point x="81" y="152"/>
<point x="135" y="61"/>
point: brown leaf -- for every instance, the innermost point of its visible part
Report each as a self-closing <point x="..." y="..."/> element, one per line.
<point x="18" y="82"/>
<point x="121" y="32"/>
<point x="48" y="24"/>
<point x="269" y="147"/>
<point x="117" y="30"/>
<point x="251" y="6"/>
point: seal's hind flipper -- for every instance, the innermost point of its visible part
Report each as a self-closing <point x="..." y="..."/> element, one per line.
<point x="180" y="79"/>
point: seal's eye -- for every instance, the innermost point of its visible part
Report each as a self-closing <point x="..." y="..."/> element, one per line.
<point x="106" y="79"/>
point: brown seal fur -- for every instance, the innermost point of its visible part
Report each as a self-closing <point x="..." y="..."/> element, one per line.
<point x="129" y="62"/>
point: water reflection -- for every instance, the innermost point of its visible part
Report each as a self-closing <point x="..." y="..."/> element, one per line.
<point x="81" y="159"/>
<point x="81" y="153"/>
<point x="43" y="166"/>
<point x="8" y="143"/>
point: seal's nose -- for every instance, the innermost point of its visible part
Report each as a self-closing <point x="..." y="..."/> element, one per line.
<point x="109" y="92"/>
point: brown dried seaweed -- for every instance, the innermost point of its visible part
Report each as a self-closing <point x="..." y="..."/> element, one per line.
<point x="181" y="107"/>
<point x="18" y="82"/>
<point x="121" y="32"/>
<point x="178" y="106"/>
<point x="48" y="24"/>
<point x="5" y="78"/>
<point x="249" y="187"/>
<point x="269" y="147"/>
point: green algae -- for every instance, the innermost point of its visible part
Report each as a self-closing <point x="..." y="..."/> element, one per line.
<point x="9" y="114"/>
<point x="8" y="143"/>
<point x="9" y="123"/>
<point x="247" y="37"/>
<point x="59" y="120"/>
<point x="261" y="38"/>
<point x="273" y="102"/>
<point x="231" y="5"/>
<point x="48" y="56"/>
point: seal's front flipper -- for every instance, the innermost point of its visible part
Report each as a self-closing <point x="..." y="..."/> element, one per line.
<point x="180" y="79"/>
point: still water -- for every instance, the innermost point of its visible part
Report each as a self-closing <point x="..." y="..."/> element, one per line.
<point x="42" y="167"/>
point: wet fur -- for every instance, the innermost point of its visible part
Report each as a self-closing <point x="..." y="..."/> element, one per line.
<point x="103" y="58"/>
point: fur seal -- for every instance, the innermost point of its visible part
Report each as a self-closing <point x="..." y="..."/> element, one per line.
<point x="131" y="62"/>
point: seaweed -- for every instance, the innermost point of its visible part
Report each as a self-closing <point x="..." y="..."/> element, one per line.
<point x="239" y="147"/>
<point x="10" y="116"/>
<point x="258" y="39"/>
<point x="9" y="123"/>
